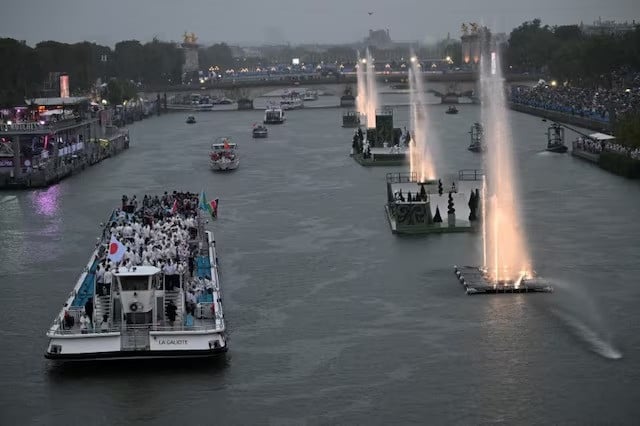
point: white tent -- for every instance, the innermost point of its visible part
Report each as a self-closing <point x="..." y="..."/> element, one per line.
<point x="601" y="137"/>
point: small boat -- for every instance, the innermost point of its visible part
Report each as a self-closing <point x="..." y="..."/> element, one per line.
<point x="555" y="139"/>
<point x="191" y="119"/>
<point x="223" y="101"/>
<point x="260" y="131"/>
<point x="347" y="99"/>
<point x="144" y="311"/>
<point x="292" y="101"/>
<point x="451" y="110"/>
<point x="476" y="132"/>
<point x="310" y="95"/>
<point x="224" y="155"/>
<point x="274" y="115"/>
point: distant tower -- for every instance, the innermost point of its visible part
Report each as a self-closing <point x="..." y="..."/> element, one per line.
<point x="190" y="47"/>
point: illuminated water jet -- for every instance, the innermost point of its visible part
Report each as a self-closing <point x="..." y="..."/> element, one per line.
<point x="372" y="92"/>
<point x="361" y="98"/>
<point x="420" y="152"/>
<point x="507" y="256"/>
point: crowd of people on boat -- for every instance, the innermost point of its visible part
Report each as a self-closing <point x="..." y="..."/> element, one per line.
<point x="155" y="232"/>
<point x="595" y="103"/>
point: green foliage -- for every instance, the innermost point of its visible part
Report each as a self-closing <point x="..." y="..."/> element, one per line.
<point x="620" y="164"/>
<point x="628" y="130"/>
<point x="20" y="74"/>
<point x="119" y="91"/>
<point x="569" y="55"/>
<point x="219" y="55"/>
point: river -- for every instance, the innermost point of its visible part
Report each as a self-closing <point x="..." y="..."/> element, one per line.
<point x="332" y="319"/>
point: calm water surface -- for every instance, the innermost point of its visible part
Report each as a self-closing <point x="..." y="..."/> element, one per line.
<point x="332" y="319"/>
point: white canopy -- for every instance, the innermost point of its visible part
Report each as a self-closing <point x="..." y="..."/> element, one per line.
<point x="601" y="137"/>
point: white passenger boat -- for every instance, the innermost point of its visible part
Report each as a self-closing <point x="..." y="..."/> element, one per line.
<point x="292" y="101"/>
<point x="273" y="115"/>
<point x="224" y="155"/>
<point x="146" y="308"/>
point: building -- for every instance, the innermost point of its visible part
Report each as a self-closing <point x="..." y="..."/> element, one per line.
<point x="379" y="38"/>
<point x="601" y="27"/>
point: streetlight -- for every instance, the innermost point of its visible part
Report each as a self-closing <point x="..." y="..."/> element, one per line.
<point x="414" y="58"/>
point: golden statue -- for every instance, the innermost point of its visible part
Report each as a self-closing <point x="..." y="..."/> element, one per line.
<point x="474" y="28"/>
<point x="189" y="38"/>
<point x="465" y="29"/>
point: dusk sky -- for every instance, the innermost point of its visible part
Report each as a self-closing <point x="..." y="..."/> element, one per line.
<point x="294" y="21"/>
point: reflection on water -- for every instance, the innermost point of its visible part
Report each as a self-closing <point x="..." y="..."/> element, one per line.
<point x="46" y="202"/>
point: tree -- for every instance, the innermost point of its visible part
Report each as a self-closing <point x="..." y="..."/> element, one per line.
<point x="437" y="218"/>
<point x="440" y="187"/>
<point x="20" y="74"/>
<point x="628" y="130"/>
<point x="219" y="54"/>
<point x="450" y="208"/>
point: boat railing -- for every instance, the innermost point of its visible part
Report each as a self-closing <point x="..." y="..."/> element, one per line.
<point x="470" y="174"/>
<point x="403" y="177"/>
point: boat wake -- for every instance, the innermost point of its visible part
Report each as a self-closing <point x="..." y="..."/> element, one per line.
<point x="583" y="320"/>
<point x="596" y="343"/>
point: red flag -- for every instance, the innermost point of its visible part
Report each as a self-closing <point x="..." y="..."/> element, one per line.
<point x="174" y="209"/>
<point x="226" y="144"/>
<point x="214" y="207"/>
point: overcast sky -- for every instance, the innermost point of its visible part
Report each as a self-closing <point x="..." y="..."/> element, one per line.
<point x="294" y="21"/>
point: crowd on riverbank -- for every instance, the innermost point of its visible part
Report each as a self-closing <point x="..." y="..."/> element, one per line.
<point x="589" y="102"/>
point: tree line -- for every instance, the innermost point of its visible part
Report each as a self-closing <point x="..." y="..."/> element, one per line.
<point x="26" y="70"/>
<point x="567" y="54"/>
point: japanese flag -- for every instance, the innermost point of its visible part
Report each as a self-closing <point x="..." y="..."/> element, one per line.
<point x="116" y="250"/>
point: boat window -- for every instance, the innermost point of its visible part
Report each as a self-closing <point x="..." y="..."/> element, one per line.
<point x="135" y="283"/>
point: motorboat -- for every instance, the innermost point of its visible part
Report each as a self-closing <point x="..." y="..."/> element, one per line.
<point x="347" y="99"/>
<point x="555" y="139"/>
<point x="451" y="110"/>
<point x="274" y="115"/>
<point x="292" y="101"/>
<point x="310" y="95"/>
<point x="260" y="131"/>
<point x="191" y="119"/>
<point x="224" y="155"/>
<point x="477" y="133"/>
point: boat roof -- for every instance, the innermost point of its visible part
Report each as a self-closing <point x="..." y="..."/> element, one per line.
<point x="221" y="145"/>
<point x="137" y="271"/>
<point x="601" y="136"/>
<point x="73" y="100"/>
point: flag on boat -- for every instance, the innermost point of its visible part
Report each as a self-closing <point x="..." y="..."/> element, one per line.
<point x="214" y="208"/>
<point x="116" y="250"/>
<point x="226" y="144"/>
<point x="208" y="207"/>
<point x="174" y="208"/>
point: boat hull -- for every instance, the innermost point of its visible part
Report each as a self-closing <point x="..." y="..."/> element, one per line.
<point x="260" y="135"/>
<point x="558" y="149"/>
<point x="224" y="166"/>
<point x="94" y="347"/>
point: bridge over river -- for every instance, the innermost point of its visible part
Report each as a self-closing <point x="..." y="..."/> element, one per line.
<point x="449" y="87"/>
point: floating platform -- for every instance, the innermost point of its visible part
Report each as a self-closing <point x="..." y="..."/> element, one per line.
<point x="476" y="281"/>
<point x="382" y="157"/>
<point x="418" y="207"/>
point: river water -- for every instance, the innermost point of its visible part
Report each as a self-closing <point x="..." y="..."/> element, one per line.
<point x="332" y="319"/>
